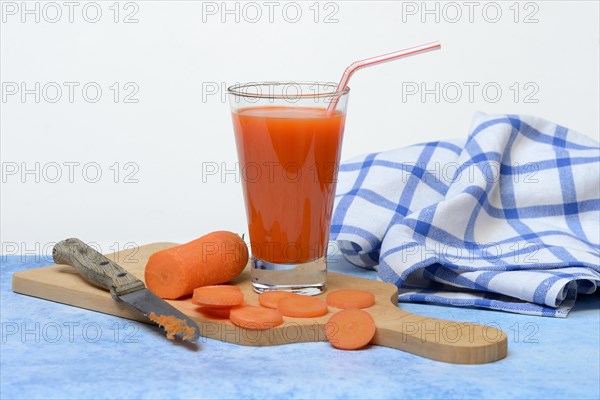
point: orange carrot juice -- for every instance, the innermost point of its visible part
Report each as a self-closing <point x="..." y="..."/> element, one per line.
<point x="288" y="162"/>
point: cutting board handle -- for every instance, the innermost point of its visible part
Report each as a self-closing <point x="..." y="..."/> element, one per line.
<point x="96" y="268"/>
<point x="438" y="339"/>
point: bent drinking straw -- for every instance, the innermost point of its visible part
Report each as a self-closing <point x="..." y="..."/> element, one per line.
<point x="355" y="66"/>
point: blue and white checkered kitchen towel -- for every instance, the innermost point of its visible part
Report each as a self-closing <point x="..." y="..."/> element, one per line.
<point x="508" y="219"/>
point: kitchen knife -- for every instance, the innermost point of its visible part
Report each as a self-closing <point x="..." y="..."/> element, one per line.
<point x="123" y="286"/>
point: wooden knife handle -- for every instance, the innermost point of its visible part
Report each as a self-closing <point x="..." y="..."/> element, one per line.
<point x="96" y="268"/>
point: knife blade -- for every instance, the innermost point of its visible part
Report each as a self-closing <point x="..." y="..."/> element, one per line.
<point x="124" y="286"/>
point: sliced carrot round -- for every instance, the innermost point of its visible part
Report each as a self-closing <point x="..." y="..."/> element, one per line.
<point x="215" y="312"/>
<point x="350" y="329"/>
<point x="255" y="317"/>
<point x="218" y="296"/>
<point x="300" y="306"/>
<point x="270" y="299"/>
<point x="350" y="299"/>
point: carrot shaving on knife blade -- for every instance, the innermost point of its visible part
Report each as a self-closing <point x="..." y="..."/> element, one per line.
<point x="173" y="326"/>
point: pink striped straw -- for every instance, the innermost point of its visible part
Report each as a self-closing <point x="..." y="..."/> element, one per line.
<point x="355" y="66"/>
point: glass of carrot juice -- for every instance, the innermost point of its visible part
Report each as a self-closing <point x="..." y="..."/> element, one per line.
<point x="288" y="137"/>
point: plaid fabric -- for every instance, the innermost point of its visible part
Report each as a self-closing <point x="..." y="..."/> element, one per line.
<point x="508" y="219"/>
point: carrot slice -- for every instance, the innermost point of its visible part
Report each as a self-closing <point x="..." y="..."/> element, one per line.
<point x="350" y="329"/>
<point x="350" y="299"/>
<point x="255" y="317"/>
<point x="300" y="306"/>
<point x="215" y="312"/>
<point x="218" y="296"/>
<point x="270" y="299"/>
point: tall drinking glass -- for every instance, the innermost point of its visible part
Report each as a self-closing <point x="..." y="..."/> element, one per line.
<point x="288" y="147"/>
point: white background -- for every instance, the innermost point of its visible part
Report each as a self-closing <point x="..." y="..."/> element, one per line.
<point x="179" y="52"/>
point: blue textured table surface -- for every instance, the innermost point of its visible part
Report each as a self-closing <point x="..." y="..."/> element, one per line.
<point x="50" y="350"/>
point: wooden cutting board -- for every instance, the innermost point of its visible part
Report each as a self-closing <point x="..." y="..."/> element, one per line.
<point x="448" y="341"/>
